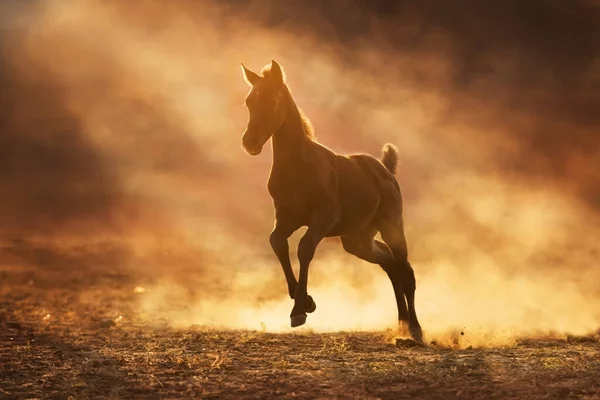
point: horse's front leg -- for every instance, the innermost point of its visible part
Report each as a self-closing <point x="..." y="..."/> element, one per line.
<point x="284" y="228"/>
<point x="319" y="228"/>
<point x="279" y="243"/>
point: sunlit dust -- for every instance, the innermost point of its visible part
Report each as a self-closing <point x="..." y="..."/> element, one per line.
<point x="159" y="97"/>
<point x="139" y="290"/>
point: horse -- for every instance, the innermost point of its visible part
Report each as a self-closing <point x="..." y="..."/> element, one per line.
<point x="352" y="197"/>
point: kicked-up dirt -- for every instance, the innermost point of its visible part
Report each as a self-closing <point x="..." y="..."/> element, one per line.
<point x="60" y="338"/>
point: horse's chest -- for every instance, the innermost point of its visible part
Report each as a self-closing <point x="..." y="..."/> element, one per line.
<point x="292" y="191"/>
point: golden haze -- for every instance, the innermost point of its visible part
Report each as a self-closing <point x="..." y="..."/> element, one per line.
<point x="158" y="94"/>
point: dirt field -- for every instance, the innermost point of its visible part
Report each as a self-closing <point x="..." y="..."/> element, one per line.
<point x="60" y="338"/>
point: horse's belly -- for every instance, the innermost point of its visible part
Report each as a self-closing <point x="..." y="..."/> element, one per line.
<point x="358" y="200"/>
<point x="357" y="213"/>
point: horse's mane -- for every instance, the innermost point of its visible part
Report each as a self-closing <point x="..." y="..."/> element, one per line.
<point x="309" y="131"/>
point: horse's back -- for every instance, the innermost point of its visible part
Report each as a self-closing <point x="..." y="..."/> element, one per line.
<point x="374" y="168"/>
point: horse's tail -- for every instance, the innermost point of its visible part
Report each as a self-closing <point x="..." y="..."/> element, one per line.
<point x="389" y="158"/>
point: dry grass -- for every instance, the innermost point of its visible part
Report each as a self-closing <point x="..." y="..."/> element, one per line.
<point x="69" y="332"/>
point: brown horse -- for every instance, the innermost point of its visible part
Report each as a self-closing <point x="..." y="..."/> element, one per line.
<point x="352" y="197"/>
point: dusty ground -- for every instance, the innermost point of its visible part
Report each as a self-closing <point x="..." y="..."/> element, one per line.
<point x="60" y="336"/>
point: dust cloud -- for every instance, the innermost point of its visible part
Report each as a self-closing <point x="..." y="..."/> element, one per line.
<point x="123" y="122"/>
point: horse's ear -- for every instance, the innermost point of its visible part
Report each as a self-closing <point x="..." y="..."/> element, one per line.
<point x="249" y="76"/>
<point x="277" y="72"/>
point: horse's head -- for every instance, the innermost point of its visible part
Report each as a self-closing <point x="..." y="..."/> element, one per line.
<point x="265" y="104"/>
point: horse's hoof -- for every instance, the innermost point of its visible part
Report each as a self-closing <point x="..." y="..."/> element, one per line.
<point x="311" y="306"/>
<point x="297" y="320"/>
<point x="416" y="333"/>
<point x="407" y="343"/>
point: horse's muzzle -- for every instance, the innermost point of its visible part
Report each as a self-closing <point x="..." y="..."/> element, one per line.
<point x="253" y="152"/>
<point x="251" y="146"/>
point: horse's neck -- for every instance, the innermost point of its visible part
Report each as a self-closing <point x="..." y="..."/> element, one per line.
<point x="290" y="142"/>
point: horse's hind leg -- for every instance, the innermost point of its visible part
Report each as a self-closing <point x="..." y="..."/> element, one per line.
<point x="393" y="236"/>
<point x="364" y="246"/>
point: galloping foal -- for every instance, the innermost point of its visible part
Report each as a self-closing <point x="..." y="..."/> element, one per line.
<point x="352" y="197"/>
